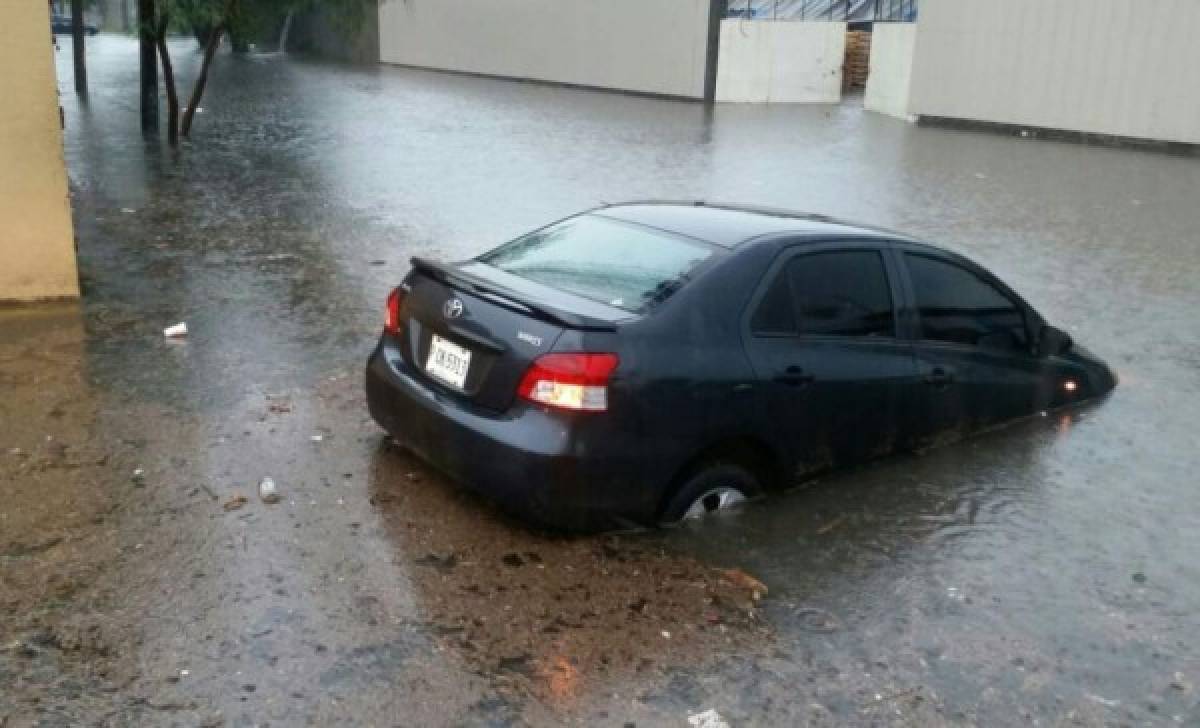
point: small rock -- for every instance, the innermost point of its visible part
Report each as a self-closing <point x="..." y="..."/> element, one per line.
<point x="235" y="502"/>
<point x="513" y="559"/>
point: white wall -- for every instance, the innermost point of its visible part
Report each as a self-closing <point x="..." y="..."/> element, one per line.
<point x="1120" y="67"/>
<point x="652" y="46"/>
<point x="890" y="79"/>
<point x="781" y="61"/>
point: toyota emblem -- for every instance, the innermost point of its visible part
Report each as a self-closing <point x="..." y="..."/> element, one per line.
<point x="453" y="308"/>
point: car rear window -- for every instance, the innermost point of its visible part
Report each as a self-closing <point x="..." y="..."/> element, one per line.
<point x="618" y="263"/>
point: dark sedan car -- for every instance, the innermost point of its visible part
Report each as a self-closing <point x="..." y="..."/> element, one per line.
<point x="648" y="362"/>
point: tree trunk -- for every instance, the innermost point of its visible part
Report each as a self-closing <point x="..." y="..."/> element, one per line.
<point x="148" y="66"/>
<point x="198" y="90"/>
<point x="164" y="56"/>
<point x="77" y="47"/>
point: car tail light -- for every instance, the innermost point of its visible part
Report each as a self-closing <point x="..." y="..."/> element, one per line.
<point x="391" y="320"/>
<point x="569" y="381"/>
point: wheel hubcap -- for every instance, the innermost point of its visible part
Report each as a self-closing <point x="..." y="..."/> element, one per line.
<point x="714" y="500"/>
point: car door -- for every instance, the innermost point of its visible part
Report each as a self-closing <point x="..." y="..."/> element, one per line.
<point x="822" y="334"/>
<point x="972" y="343"/>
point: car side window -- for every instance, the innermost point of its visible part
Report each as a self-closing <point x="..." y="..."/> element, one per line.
<point x="836" y="293"/>
<point x="842" y="293"/>
<point x="957" y="306"/>
<point x="775" y="314"/>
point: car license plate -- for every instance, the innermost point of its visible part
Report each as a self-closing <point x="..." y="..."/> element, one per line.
<point x="448" y="361"/>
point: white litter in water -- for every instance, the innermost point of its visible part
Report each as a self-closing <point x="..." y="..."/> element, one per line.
<point x="178" y="331"/>
<point x="268" y="491"/>
<point x="708" y="719"/>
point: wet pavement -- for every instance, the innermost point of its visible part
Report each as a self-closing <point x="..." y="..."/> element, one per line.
<point x="1046" y="574"/>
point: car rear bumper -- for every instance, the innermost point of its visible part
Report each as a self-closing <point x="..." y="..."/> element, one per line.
<point x="532" y="462"/>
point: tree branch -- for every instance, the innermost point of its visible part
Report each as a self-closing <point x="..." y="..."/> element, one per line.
<point x="198" y="90"/>
<point x="160" y="41"/>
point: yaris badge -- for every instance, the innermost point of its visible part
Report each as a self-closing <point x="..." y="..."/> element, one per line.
<point x="453" y="308"/>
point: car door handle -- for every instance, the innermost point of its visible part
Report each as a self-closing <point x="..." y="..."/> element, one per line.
<point x="940" y="377"/>
<point x="794" y="376"/>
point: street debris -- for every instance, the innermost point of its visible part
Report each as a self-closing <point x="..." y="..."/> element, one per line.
<point x="513" y="559"/>
<point x="812" y="619"/>
<point x="444" y="564"/>
<point x="1103" y="701"/>
<point x="176" y="331"/>
<point x="317" y="438"/>
<point x="739" y="578"/>
<point x="235" y="502"/>
<point x="831" y="525"/>
<point x="707" y="719"/>
<point x="267" y="491"/>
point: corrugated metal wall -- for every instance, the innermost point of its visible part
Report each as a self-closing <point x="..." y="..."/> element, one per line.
<point x="1121" y="67"/>
<point x="654" y="46"/>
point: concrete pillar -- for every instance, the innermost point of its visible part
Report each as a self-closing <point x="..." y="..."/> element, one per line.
<point x="37" y="244"/>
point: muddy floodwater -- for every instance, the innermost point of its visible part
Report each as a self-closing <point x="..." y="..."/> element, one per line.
<point x="1047" y="574"/>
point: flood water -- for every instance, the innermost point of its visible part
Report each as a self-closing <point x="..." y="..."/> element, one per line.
<point x="1046" y="574"/>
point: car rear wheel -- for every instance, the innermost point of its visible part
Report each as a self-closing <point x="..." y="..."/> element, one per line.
<point x="711" y="490"/>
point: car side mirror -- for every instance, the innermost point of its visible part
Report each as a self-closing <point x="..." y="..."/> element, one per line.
<point x="1052" y="341"/>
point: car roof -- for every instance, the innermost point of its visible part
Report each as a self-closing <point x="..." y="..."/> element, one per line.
<point x="731" y="225"/>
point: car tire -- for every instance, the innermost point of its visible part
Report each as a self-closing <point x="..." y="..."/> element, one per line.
<point x="711" y="489"/>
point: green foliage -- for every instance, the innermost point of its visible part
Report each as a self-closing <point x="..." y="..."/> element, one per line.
<point x="250" y="19"/>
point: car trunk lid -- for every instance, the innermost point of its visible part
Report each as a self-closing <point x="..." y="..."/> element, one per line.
<point x="474" y="330"/>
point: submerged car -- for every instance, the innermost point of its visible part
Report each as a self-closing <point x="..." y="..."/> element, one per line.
<point x="648" y="362"/>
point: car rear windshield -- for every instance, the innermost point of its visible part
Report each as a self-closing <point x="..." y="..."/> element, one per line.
<point x="621" y="264"/>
